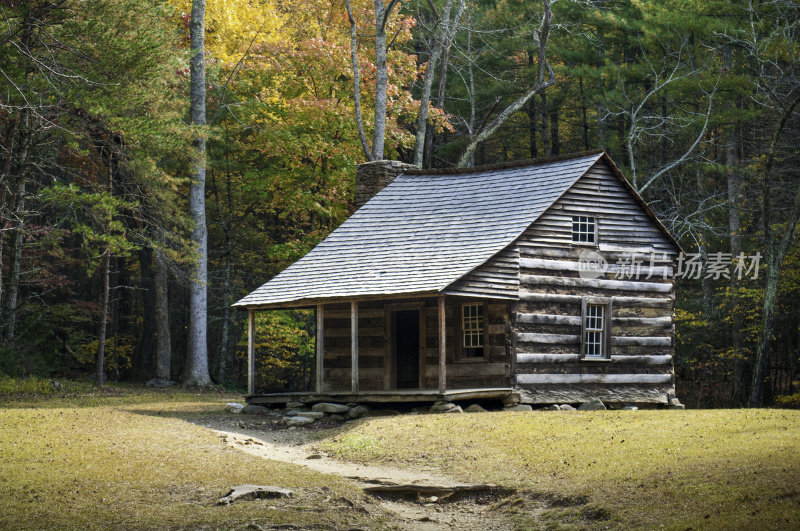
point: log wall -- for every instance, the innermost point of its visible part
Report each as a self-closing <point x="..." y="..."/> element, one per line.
<point x="374" y="350"/>
<point x="547" y="322"/>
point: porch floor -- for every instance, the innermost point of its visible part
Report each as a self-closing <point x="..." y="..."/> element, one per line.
<point x="382" y="396"/>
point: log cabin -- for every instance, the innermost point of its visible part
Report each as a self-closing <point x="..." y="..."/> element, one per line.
<point x="475" y="284"/>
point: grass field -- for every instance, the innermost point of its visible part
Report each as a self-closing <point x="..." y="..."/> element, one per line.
<point x="717" y="469"/>
<point x="126" y="458"/>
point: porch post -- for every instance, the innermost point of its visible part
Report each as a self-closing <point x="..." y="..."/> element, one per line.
<point x="320" y="346"/>
<point x="251" y="351"/>
<point x="354" y="346"/>
<point x="442" y="348"/>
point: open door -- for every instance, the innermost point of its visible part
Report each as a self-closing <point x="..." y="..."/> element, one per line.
<point x="406" y="343"/>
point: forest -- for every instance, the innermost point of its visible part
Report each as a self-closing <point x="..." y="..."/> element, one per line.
<point x="160" y="159"/>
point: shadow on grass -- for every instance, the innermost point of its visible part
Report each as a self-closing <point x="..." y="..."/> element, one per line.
<point x="84" y="395"/>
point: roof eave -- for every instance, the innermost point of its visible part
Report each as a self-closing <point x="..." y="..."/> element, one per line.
<point x="312" y="302"/>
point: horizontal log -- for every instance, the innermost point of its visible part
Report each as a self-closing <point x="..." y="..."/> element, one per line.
<point x="543" y="379"/>
<point x="652" y="302"/>
<point x="642" y="321"/>
<point x="558" y="339"/>
<point x="597" y="283"/>
<point x="542" y="318"/>
<point x="616" y="359"/>
<point x="642" y="341"/>
<point x="547" y="358"/>
<point x="569" y="265"/>
<point x="642" y="360"/>
<point x="456" y="369"/>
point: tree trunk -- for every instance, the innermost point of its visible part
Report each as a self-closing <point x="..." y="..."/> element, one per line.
<point x="356" y="80"/>
<point x="381" y="81"/>
<point x="146" y="340"/>
<point x="17" y="243"/>
<point x="584" y="120"/>
<point x="101" y="334"/>
<point x="441" y="45"/>
<point x="163" y="343"/>
<point x="532" y="119"/>
<point x="196" y="367"/>
<point x="774" y="254"/>
<point x="555" y="143"/>
<point x="545" y="127"/>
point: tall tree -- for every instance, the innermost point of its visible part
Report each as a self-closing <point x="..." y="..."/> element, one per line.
<point x="196" y="366"/>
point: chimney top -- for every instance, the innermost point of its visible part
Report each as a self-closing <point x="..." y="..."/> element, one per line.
<point x="374" y="176"/>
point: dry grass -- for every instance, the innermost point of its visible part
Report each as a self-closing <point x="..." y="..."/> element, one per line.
<point x="123" y="459"/>
<point x="721" y="469"/>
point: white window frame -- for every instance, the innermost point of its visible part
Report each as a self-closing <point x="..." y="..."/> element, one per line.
<point x="473" y="330"/>
<point x="595" y="336"/>
<point x="584" y="230"/>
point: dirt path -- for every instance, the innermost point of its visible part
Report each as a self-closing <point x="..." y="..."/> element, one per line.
<point x="293" y="449"/>
<point x="468" y="511"/>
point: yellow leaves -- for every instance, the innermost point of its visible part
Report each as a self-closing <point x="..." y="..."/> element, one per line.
<point x="233" y="26"/>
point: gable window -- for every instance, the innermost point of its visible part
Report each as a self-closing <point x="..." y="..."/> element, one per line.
<point x="584" y="229"/>
<point x="472" y="330"/>
<point x="595" y="329"/>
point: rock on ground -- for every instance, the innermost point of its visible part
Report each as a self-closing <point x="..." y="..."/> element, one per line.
<point x="252" y="409"/>
<point x="254" y="492"/>
<point x="593" y="404"/>
<point x="234" y="407"/>
<point x="474" y="408"/>
<point x="565" y="407"/>
<point x="294" y="405"/>
<point x="298" y="421"/>
<point x="316" y="415"/>
<point x="519" y="407"/>
<point x="328" y="407"/>
<point x="357" y="412"/>
<point x="442" y="407"/>
<point x="674" y="403"/>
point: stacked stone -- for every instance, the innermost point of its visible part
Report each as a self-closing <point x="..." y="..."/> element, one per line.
<point x="372" y="177"/>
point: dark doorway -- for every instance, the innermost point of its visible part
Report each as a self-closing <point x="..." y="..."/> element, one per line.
<point x="406" y="343"/>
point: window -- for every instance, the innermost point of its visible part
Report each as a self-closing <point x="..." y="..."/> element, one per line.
<point x="584" y="229"/>
<point x="472" y="330"/>
<point x="595" y="329"/>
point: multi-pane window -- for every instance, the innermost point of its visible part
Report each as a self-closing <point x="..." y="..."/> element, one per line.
<point x="594" y="328"/>
<point x="472" y="329"/>
<point x="583" y="229"/>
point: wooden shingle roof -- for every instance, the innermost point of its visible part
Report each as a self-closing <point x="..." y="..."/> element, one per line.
<point x="421" y="233"/>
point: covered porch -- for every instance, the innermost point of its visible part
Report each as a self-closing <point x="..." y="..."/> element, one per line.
<point x="405" y="350"/>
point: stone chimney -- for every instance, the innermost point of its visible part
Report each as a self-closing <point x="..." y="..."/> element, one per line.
<point x="372" y="177"/>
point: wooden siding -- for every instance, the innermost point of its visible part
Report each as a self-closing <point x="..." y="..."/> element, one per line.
<point x="547" y="322"/>
<point x="499" y="277"/>
<point x="375" y="364"/>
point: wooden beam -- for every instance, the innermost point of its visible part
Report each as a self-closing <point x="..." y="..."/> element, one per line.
<point x="354" y="347"/>
<point x="320" y="343"/>
<point x="596" y="283"/>
<point x="251" y="352"/>
<point x="664" y="378"/>
<point x="442" y="347"/>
